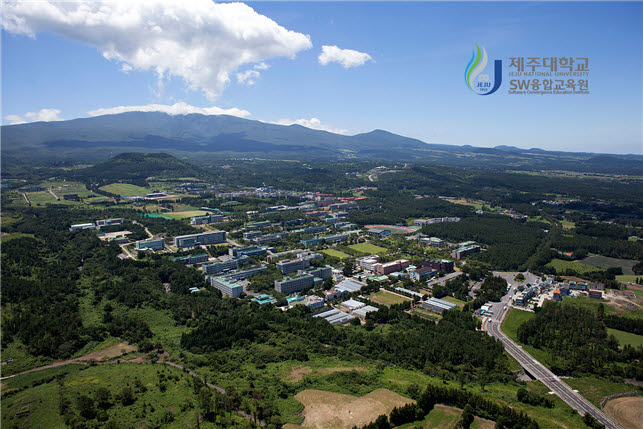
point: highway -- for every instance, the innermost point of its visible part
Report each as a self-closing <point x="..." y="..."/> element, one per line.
<point x="538" y="370"/>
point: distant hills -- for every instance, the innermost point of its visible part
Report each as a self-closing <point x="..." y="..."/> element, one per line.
<point x="199" y="137"/>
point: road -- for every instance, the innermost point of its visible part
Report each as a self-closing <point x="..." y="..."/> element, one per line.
<point x="538" y="370"/>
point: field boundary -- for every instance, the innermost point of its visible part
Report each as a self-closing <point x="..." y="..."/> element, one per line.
<point x="618" y="395"/>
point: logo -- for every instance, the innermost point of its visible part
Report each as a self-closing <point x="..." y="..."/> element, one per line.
<point x="480" y="83"/>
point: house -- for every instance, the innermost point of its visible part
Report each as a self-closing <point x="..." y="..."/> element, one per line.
<point x="596" y="294"/>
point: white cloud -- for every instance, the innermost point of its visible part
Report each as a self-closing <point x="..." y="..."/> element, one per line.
<point x="262" y="66"/>
<point x="249" y="77"/>
<point x="201" y="41"/>
<point x="180" y="108"/>
<point x="45" y="115"/>
<point x="313" y="123"/>
<point x="346" y="57"/>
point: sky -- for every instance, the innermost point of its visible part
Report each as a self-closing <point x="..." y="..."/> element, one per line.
<point x="342" y="67"/>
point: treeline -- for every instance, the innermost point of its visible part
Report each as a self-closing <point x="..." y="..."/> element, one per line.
<point x="606" y="246"/>
<point x="510" y="242"/>
<point x="473" y="404"/>
<point x="622" y="323"/>
<point x="577" y="342"/>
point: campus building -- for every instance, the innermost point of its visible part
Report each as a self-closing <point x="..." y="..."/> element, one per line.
<point x="462" y="252"/>
<point x="191" y="259"/>
<point x="438" y="305"/>
<point x="109" y="222"/>
<point x="248" y="251"/>
<point x="205" y="238"/>
<point x="151" y="244"/>
<point x="222" y="266"/>
<point x="445" y="265"/>
<point x="391" y="267"/>
<point x="204" y="220"/>
<point x="226" y="286"/>
<point x="289" y="285"/>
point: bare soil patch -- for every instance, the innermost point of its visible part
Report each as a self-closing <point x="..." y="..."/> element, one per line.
<point x="324" y="410"/>
<point x="108" y="353"/>
<point x="628" y="412"/>
<point x="298" y="373"/>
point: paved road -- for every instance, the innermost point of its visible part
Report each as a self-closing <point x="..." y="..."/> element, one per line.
<point x="538" y="370"/>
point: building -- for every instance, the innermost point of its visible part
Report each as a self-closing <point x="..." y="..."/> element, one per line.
<point x="109" y="222"/>
<point x="438" y="305"/>
<point x="320" y="272"/>
<point x="523" y="297"/>
<point x="352" y="305"/>
<point x="334" y="293"/>
<point x="432" y="241"/>
<point x="227" y="287"/>
<point x="557" y="295"/>
<point x="204" y="220"/>
<point x="422" y="273"/>
<point x="350" y="286"/>
<point x="257" y="225"/>
<point x="334" y="238"/>
<point x="380" y="232"/>
<point x="151" y="244"/>
<point x="90" y="225"/>
<point x="248" y="251"/>
<point x="313" y="302"/>
<point x="290" y="285"/>
<point x="270" y="238"/>
<point x="245" y="274"/>
<point x="463" y="252"/>
<point x="435" y="220"/>
<point x="596" y="294"/>
<point x="262" y="299"/>
<point x="191" y="259"/>
<point x="204" y="238"/>
<point x="293" y="265"/>
<point x="445" y="265"/>
<point x="378" y="279"/>
<point x="368" y="262"/>
<point x="407" y="292"/>
<point x="222" y="266"/>
<point x="361" y="312"/>
<point x="311" y="241"/>
<point x="391" y="267"/>
<point x="251" y="234"/>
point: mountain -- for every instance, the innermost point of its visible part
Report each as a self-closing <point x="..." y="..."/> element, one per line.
<point x="198" y="137"/>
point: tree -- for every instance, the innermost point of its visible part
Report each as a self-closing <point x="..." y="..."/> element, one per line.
<point x="126" y="396"/>
<point x="103" y="398"/>
<point x="85" y="406"/>
<point x="349" y="267"/>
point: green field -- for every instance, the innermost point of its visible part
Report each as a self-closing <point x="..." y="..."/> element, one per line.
<point x="163" y="396"/>
<point x="335" y="253"/>
<point x="388" y="298"/>
<point x="456" y="301"/>
<point x="368" y="248"/>
<point x="513" y="319"/>
<point x="604" y="262"/>
<point x="185" y="214"/>
<point x="594" y="389"/>
<point x="41" y="198"/>
<point x="580" y="268"/>
<point x="440" y="417"/>
<point x="124" y="189"/>
<point x="626" y="337"/>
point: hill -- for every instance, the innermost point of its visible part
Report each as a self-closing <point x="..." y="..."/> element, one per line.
<point x="198" y="136"/>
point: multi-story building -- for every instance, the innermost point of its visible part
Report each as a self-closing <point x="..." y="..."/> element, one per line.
<point x="270" y="237"/>
<point x="421" y="273"/>
<point x="251" y="234"/>
<point x="435" y="220"/>
<point x="368" y="262"/>
<point x="151" y="244"/>
<point x="321" y="272"/>
<point x="523" y="297"/>
<point x="289" y="285"/>
<point x="244" y="274"/>
<point x="191" y="259"/>
<point x="204" y="220"/>
<point x="334" y="238"/>
<point x="379" y="232"/>
<point x="391" y="267"/>
<point x="227" y="287"/>
<point x="248" y="250"/>
<point x="257" y="224"/>
<point x="462" y="252"/>
<point x="311" y="241"/>
<point x="445" y="265"/>
<point x="90" y="225"/>
<point x="221" y="266"/>
<point x="292" y="265"/>
<point x="432" y="241"/>
<point x="109" y="222"/>
<point x="204" y="238"/>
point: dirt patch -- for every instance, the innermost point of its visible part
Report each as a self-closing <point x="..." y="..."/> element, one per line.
<point x="108" y="353"/>
<point x="484" y="423"/>
<point x="628" y="412"/>
<point x="324" y="410"/>
<point x="298" y="373"/>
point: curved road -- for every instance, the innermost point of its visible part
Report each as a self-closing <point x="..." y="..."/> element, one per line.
<point x="538" y="370"/>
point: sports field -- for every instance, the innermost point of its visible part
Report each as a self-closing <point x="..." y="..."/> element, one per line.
<point x="335" y="253"/>
<point x="388" y="298"/>
<point x="124" y="189"/>
<point x="184" y="215"/>
<point x="368" y="248"/>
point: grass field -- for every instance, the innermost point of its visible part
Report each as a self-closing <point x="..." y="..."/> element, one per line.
<point x="335" y="253"/>
<point x="594" y="389"/>
<point x="626" y="337"/>
<point x="388" y="298"/>
<point x="164" y="396"/>
<point x="604" y="262"/>
<point x="514" y="319"/>
<point x="368" y="248"/>
<point x="184" y="215"/>
<point x="456" y="301"/>
<point x="580" y="268"/>
<point x="41" y="198"/>
<point x="124" y="189"/>
<point x="628" y="278"/>
<point x="440" y="417"/>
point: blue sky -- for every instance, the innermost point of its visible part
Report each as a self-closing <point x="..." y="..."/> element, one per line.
<point x="413" y="84"/>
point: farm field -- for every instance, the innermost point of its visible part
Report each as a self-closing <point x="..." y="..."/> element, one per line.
<point x="388" y="298"/>
<point x="626" y="337"/>
<point x="561" y="266"/>
<point x="627" y="278"/>
<point x="628" y="412"/>
<point x="368" y="248"/>
<point x="335" y="253"/>
<point x="123" y="189"/>
<point x="327" y="409"/>
<point x="604" y="262"/>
